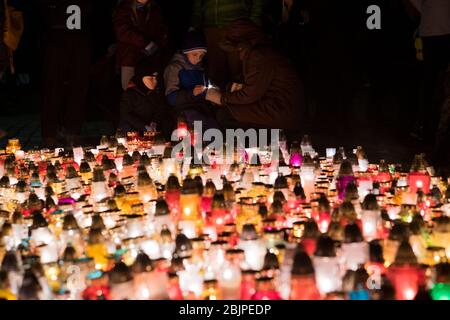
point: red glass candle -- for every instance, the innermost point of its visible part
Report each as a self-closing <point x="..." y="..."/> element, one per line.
<point x="295" y="160"/>
<point x="419" y="180"/>
<point x="248" y="284"/>
<point x="96" y="292"/>
<point x="174" y="290"/>
<point x="265" y="290"/>
<point x="172" y="198"/>
<point x="304" y="288"/>
<point x="405" y="279"/>
<point x="310" y="245"/>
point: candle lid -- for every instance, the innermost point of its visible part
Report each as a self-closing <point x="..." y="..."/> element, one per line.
<point x="280" y="182"/>
<point x="399" y="232"/>
<point x="302" y="264"/>
<point x="127" y="160"/>
<point x="264" y="279"/>
<point x="97" y="222"/>
<point x="249" y="232"/>
<point x="376" y="251"/>
<point x="161" y="208"/>
<point x="172" y="183"/>
<point x="10" y="262"/>
<point x="70" y="223"/>
<point x="31" y="287"/>
<point x="142" y="263"/>
<point x="311" y="230"/>
<point x="442" y="224"/>
<point x="405" y="255"/>
<point x="107" y="163"/>
<point x="218" y="201"/>
<point x="336" y="231"/>
<point x="120" y="273"/>
<point x="183" y="245"/>
<point x="98" y="175"/>
<point x="299" y="191"/>
<point x="69" y="254"/>
<point x="121" y="150"/>
<point x="17" y="216"/>
<point x="190" y="186"/>
<point x="136" y="156"/>
<point x="325" y="247"/>
<point x="442" y="273"/>
<point x="352" y="233"/>
<point x="210" y="188"/>
<point x="370" y="203"/>
<point x="346" y="169"/>
<point x="417" y="225"/>
<point x="351" y="192"/>
<point x="277" y="207"/>
<point x="144" y="179"/>
<point x="39" y="221"/>
<point x="95" y="236"/>
<point x="271" y="261"/>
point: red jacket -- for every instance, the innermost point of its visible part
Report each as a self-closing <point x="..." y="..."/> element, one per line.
<point x="135" y="29"/>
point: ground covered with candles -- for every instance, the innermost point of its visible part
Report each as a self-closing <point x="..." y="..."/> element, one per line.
<point x="129" y="220"/>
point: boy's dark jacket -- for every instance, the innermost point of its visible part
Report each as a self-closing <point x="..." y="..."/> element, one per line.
<point x="140" y="106"/>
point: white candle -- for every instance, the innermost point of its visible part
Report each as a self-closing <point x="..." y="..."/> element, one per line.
<point x="254" y="251"/>
<point x="370" y="220"/>
<point x="355" y="254"/>
<point x="328" y="274"/>
<point x="188" y="228"/>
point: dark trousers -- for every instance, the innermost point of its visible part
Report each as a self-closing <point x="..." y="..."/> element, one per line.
<point x="67" y="61"/>
<point x="436" y="55"/>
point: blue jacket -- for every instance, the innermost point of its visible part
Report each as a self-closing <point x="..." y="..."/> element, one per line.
<point x="180" y="79"/>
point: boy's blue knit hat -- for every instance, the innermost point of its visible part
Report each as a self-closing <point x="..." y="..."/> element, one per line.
<point x="194" y="41"/>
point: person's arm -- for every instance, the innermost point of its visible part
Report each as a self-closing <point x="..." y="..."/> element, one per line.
<point x="257" y="81"/>
<point x="125" y="30"/>
<point x="257" y="11"/>
<point x="127" y="112"/>
<point x="175" y="95"/>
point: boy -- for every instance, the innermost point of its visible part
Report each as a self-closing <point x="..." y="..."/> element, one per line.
<point x="142" y="104"/>
<point x="187" y="83"/>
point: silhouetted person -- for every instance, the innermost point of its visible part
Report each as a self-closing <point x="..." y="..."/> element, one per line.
<point x="67" y="59"/>
<point x="141" y="35"/>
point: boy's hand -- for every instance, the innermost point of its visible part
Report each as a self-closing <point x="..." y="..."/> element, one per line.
<point x="198" y="90"/>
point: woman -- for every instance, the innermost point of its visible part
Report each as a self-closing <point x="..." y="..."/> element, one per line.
<point x="271" y="95"/>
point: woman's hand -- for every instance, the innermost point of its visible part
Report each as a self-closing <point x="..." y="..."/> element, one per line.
<point x="214" y="95"/>
<point x="236" y="87"/>
<point x="198" y="90"/>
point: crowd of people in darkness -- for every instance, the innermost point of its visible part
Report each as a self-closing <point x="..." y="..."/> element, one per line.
<point x="231" y="64"/>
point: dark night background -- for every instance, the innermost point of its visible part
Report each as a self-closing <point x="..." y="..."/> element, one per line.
<point x="363" y="86"/>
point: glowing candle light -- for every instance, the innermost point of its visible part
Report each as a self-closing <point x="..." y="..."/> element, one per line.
<point x="326" y="266"/>
<point x="253" y="246"/>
